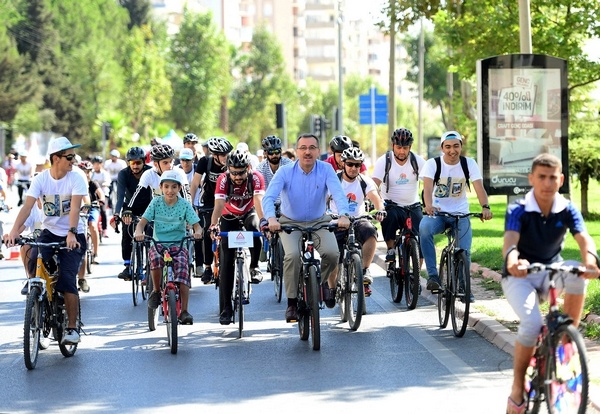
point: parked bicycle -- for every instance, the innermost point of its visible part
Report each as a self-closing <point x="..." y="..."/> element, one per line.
<point x="45" y="310"/>
<point x="310" y="295"/>
<point x="558" y="371"/>
<point x="170" y="306"/>
<point x="455" y="277"/>
<point x="404" y="272"/>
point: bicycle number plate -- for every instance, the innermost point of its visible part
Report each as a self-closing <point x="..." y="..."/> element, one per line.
<point x="240" y="239"/>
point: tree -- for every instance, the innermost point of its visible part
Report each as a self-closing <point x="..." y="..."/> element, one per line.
<point x="139" y="12"/>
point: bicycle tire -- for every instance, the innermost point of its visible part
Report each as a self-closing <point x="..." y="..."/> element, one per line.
<point x="152" y="313"/>
<point x="341" y="288"/>
<point x="89" y="253"/>
<point x="239" y="274"/>
<point x="171" y="320"/>
<point x="145" y="271"/>
<point x="443" y="296"/>
<point x="303" y="311"/>
<point x="32" y="327"/>
<point x="396" y="279"/>
<point x="461" y="291"/>
<point x="355" y="298"/>
<point x="68" y="350"/>
<point x="534" y="386"/>
<point x="134" y="268"/>
<point x="314" y="296"/>
<point x="567" y="381"/>
<point x="412" y="278"/>
<point x="277" y="269"/>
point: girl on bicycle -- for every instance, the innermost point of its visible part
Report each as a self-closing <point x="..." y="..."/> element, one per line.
<point x="171" y="215"/>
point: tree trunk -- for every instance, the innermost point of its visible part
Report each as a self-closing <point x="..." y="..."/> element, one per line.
<point x="585" y="181"/>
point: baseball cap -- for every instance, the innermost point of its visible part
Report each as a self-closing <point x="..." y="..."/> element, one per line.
<point x="242" y="146"/>
<point x="115" y="153"/>
<point x="171" y="175"/>
<point x="60" y="144"/>
<point x="186" y="154"/>
<point x="451" y="135"/>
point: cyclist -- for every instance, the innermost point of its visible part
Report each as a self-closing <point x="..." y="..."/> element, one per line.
<point x="543" y="216"/>
<point x="170" y="214"/>
<point x="272" y="150"/>
<point x="449" y="195"/>
<point x="189" y="142"/>
<point x="396" y="173"/>
<point x="102" y="178"/>
<point x="24" y="171"/>
<point x="337" y="145"/>
<point x="207" y="171"/>
<point x="61" y="191"/>
<point x="127" y="182"/>
<point x="238" y="197"/>
<point x="32" y="225"/>
<point x="357" y="188"/>
<point x="243" y="147"/>
<point x="113" y="167"/>
<point x="303" y="187"/>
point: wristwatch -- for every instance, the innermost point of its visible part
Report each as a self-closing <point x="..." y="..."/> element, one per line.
<point x="485" y="206"/>
<point x="73" y="230"/>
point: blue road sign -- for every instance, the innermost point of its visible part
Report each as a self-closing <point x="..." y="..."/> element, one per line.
<point x="372" y="107"/>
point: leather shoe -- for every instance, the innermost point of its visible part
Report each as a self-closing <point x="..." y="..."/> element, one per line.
<point x="225" y="317"/>
<point x="291" y="313"/>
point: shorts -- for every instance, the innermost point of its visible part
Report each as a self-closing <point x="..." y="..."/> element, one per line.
<point x="180" y="262"/>
<point x="93" y="216"/>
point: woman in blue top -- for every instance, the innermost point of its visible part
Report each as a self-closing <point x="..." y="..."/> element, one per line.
<point x="170" y="214"/>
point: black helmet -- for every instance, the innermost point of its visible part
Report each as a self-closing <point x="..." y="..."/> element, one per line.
<point x="238" y="159"/>
<point x="135" y="153"/>
<point x="339" y="143"/>
<point x="190" y="138"/>
<point x="97" y="158"/>
<point x="353" y="153"/>
<point x="219" y="145"/>
<point x="402" y="137"/>
<point x="161" y="152"/>
<point x="271" y="143"/>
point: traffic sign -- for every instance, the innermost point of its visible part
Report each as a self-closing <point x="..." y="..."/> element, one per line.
<point x="373" y="108"/>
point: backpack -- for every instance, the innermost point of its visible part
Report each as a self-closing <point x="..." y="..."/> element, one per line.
<point x="388" y="165"/>
<point x="438" y="167"/>
<point x="249" y="182"/>
<point x="363" y="184"/>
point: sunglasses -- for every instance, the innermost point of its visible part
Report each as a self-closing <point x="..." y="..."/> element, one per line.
<point x="238" y="173"/>
<point x="354" y="165"/>
<point x="69" y="157"/>
<point x="136" y="162"/>
<point x="274" y="152"/>
<point x="309" y="148"/>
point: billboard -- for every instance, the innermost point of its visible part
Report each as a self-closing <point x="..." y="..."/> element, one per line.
<point x="523" y="112"/>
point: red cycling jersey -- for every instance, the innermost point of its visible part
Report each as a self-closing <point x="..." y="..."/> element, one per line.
<point x="238" y="200"/>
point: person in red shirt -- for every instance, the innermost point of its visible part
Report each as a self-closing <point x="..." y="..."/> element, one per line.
<point x="238" y="199"/>
<point x="338" y="144"/>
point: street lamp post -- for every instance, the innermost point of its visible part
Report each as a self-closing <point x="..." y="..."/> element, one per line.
<point x="340" y="113"/>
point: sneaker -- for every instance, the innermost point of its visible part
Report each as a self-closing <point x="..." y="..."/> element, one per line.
<point x="207" y="275"/>
<point x="25" y="289"/>
<point x="225" y="317"/>
<point x="185" y="318"/>
<point x="390" y="256"/>
<point x="154" y="300"/>
<point x="256" y="276"/>
<point x="367" y="289"/>
<point x="95" y="260"/>
<point x="471" y="298"/>
<point x="125" y="274"/>
<point x="291" y="314"/>
<point x="328" y="295"/>
<point x="83" y="285"/>
<point x="199" y="271"/>
<point x="105" y="234"/>
<point x="367" y="278"/>
<point x="71" y="336"/>
<point x="433" y="283"/>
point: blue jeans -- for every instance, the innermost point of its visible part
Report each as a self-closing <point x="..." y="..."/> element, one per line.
<point x="431" y="226"/>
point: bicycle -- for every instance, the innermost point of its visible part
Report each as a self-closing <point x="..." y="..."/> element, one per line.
<point x="139" y="266"/>
<point x="241" y="293"/>
<point x="455" y="279"/>
<point x="310" y="295"/>
<point x="170" y="305"/>
<point x="45" y="310"/>
<point x="89" y="256"/>
<point x="275" y="262"/>
<point x="404" y="271"/>
<point x="558" y="371"/>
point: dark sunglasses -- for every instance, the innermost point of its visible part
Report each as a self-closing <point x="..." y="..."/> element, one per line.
<point x="274" y="152"/>
<point x="136" y="162"/>
<point x="354" y="165"/>
<point x="238" y="173"/>
<point x="69" y="157"/>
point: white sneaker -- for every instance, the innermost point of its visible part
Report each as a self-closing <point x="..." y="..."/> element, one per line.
<point x="71" y="336"/>
<point x="367" y="278"/>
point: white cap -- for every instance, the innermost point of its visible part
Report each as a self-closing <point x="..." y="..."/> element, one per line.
<point x="23" y="153"/>
<point x="260" y="153"/>
<point x="242" y="146"/>
<point x="171" y="175"/>
<point x="451" y="135"/>
<point x="60" y="144"/>
<point x="115" y="153"/>
<point x="186" y="154"/>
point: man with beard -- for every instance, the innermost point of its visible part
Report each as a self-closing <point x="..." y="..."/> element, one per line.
<point x="273" y="160"/>
<point x="401" y="185"/>
<point x="207" y="171"/>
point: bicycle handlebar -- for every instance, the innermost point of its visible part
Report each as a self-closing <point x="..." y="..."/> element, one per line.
<point x="170" y="243"/>
<point x="458" y="216"/>
<point x="25" y="240"/>
<point x="288" y="228"/>
<point x="555" y="268"/>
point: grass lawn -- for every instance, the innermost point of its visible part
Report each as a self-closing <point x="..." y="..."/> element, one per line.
<point x="488" y="237"/>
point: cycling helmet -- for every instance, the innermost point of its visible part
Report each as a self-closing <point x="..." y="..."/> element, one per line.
<point x="97" y="158"/>
<point x="86" y="165"/>
<point x="402" y="137"/>
<point x="115" y="153"/>
<point x="136" y="153"/>
<point x="219" y="145"/>
<point x="161" y="152"/>
<point x="190" y="138"/>
<point x="353" y="153"/>
<point x="238" y="159"/>
<point x="340" y="142"/>
<point x="271" y="143"/>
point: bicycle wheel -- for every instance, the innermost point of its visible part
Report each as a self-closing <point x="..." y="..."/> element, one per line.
<point x="303" y="311"/>
<point x="145" y="271"/>
<point x="89" y="253"/>
<point x="277" y="269"/>
<point x="444" y="296"/>
<point x="152" y="313"/>
<point x="32" y="328"/>
<point x="355" y="296"/>
<point x="172" y="320"/>
<point x="566" y="384"/>
<point x="68" y="350"/>
<point x="314" y="296"/>
<point x="135" y="268"/>
<point x="340" y="291"/>
<point x="412" y="278"/>
<point x="461" y="291"/>
<point x="396" y="279"/>
<point x="239" y="274"/>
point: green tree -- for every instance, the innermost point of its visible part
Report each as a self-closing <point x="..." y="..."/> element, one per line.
<point x="139" y="12"/>
<point x="199" y="69"/>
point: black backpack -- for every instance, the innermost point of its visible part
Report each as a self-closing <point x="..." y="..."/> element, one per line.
<point x="438" y="167"/>
<point x="388" y="165"/>
<point x="249" y="182"/>
<point x="363" y="184"/>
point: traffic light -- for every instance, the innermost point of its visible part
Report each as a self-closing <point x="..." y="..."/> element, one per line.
<point x="279" y="115"/>
<point x="317" y="125"/>
<point x="105" y="130"/>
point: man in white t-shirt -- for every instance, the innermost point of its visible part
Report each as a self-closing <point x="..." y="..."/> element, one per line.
<point x="400" y="184"/>
<point x="24" y="173"/>
<point x="61" y="190"/>
<point x="449" y="195"/>
<point x="113" y="167"/>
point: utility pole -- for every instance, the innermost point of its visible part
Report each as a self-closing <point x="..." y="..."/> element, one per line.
<point x="392" y="84"/>
<point x="340" y="113"/>
<point x="421" y="86"/>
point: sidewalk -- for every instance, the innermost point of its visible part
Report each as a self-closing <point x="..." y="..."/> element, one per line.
<point x="491" y="314"/>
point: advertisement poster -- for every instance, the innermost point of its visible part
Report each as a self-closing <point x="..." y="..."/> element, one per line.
<point x="524" y="115"/>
